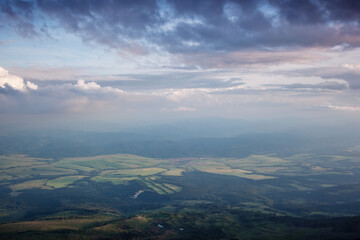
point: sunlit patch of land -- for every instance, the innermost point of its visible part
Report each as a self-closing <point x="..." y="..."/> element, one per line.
<point x="174" y="172"/>
<point x="30" y="184"/>
<point x="63" y="181"/>
<point x="114" y="180"/>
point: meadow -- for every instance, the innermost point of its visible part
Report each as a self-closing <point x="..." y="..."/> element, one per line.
<point x="19" y="172"/>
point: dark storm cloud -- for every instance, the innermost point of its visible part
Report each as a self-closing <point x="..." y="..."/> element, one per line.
<point x="19" y="15"/>
<point x="191" y="26"/>
<point x="317" y="11"/>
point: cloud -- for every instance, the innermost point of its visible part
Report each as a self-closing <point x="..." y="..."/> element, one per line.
<point x="44" y="73"/>
<point x="31" y="85"/>
<point x="321" y="86"/>
<point x="251" y="58"/>
<point x="87" y="86"/>
<point x="184" y="109"/>
<point x="20" y="16"/>
<point x="180" y="109"/>
<point x="351" y="75"/>
<point x="344" y="108"/>
<point x="93" y="87"/>
<point x="228" y="93"/>
<point x="139" y="27"/>
<point x="171" y="80"/>
<point x="14" y="82"/>
<point x="19" y="96"/>
<point x="351" y="66"/>
<point x="315" y="12"/>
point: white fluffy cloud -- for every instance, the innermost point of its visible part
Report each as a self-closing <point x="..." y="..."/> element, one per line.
<point x="81" y="84"/>
<point x="15" y="82"/>
<point x="93" y="87"/>
<point x="31" y="85"/>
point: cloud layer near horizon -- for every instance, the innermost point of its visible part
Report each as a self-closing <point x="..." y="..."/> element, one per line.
<point x="88" y="97"/>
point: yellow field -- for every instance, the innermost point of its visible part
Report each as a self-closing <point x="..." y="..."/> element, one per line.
<point x="174" y="172"/>
<point x="63" y="181"/>
<point x="30" y="184"/>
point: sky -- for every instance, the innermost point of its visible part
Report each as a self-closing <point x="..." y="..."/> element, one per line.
<point x="69" y="63"/>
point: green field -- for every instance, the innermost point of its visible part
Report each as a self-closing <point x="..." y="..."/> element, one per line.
<point x="20" y="172"/>
<point x="92" y="196"/>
